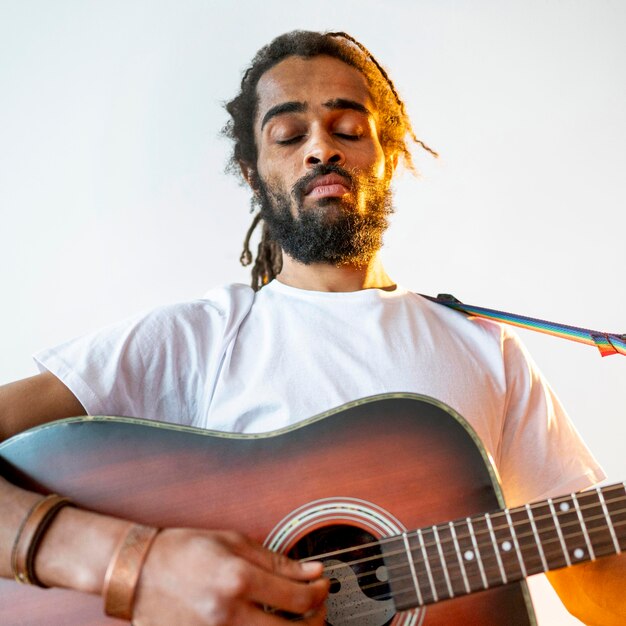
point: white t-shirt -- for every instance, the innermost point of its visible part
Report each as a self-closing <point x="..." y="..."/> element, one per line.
<point x="245" y="362"/>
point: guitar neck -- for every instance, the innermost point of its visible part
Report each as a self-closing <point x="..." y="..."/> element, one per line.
<point x="493" y="549"/>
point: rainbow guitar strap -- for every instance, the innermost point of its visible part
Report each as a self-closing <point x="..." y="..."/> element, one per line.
<point x="607" y="343"/>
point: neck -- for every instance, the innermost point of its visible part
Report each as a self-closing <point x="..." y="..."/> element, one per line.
<point x="484" y="551"/>
<point x="326" y="277"/>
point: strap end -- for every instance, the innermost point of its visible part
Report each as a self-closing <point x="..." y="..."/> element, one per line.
<point x="609" y="344"/>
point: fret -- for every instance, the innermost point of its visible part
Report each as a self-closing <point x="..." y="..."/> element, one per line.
<point x="488" y="550"/>
<point x="583" y="527"/>
<point x="551" y="544"/>
<point x="575" y="540"/>
<point x="508" y="549"/>
<point x="542" y="555"/>
<point x="469" y="556"/>
<point x="557" y="526"/>
<point x="407" y="548"/>
<point x="496" y="549"/>
<point x="444" y="566"/>
<point x="457" y="548"/>
<point x="609" y="523"/>
<point x="403" y="582"/>
<point x="526" y="541"/>
<point x="436" y="566"/>
<point x="426" y="561"/>
<point x="403" y="563"/>
<point x="518" y="550"/>
<point x="476" y="552"/>
<point x="454" y="572"/>
<point x="614" y="497"/>
<point x="600" y="529"/>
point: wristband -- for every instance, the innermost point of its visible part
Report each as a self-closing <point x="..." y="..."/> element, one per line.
<point x="122" y="575"/>
<point x="29" y="536"/>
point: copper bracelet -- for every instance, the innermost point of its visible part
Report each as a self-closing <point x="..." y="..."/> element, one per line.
<point x="29" y="536"/>
<point x="122" y="575"/>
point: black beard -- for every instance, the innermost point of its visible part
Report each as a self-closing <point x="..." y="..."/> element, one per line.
<point x="345" y="237"/>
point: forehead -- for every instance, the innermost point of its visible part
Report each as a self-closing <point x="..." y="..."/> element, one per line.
<point x="311" y="81"/>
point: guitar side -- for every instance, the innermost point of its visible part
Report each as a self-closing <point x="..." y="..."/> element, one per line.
<point x="406" y="455"/>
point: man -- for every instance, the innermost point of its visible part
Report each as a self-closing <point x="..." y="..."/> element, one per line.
<point x="319" y="131"/>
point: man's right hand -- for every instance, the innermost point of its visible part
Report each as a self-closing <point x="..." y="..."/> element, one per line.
<point x="197" y="577"/>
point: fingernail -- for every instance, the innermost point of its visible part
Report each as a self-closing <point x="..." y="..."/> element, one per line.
<point x="311" y="567"/>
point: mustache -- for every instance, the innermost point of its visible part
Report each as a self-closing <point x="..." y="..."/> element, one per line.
<point x="299" y="189"/>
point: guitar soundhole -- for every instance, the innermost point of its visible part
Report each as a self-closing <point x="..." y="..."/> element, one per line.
<point x="359" y="593"/>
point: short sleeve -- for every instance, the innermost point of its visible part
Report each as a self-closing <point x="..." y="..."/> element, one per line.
<point x="160" y="365"/>
<point x="541" y="453"/>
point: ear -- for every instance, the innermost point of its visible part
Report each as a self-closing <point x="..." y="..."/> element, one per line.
<point x="250" y="175"/>
<point x="391" y="162"/>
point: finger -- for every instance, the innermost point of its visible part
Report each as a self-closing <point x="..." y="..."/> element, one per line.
<point x="279" y="564"/>
<point x="287" y="595"/>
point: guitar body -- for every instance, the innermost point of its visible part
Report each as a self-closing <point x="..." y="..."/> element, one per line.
<point x="369" y="469"/>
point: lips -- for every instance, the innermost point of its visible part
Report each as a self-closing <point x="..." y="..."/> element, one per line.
<point x="328" y="185"/>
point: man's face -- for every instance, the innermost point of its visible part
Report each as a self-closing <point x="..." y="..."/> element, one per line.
<point x="324" y="179"/>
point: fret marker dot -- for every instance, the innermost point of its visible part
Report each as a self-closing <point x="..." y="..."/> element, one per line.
<point x="382" y="574"/>
<point x="564" y="506"/>
<point x="506" y="545"/>
<point x="579" y="553"/>
<point x="469" y="555"/>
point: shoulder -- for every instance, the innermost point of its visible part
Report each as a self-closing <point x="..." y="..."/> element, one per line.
<point x="218" y="307"/>
<point x="467" y="328"/>
<point x="490" y="344"/>
<point x="162" y="329"/>
<point x="228" y="299"/>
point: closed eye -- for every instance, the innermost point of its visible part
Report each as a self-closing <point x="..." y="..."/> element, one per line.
<point x="296" y="138"/>
<point x="291" y="140"/>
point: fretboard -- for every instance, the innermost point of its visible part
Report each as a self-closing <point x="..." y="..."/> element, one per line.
<point x="484" y="551"/>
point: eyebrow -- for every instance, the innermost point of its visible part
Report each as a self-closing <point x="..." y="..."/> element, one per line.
<point x="301" y="107"/>
<point x="343" y="103"/>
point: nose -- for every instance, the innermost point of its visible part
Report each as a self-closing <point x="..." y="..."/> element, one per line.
<point x="323" y="149"/>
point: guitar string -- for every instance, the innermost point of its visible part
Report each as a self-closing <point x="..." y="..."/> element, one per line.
<point x="448" y="553"/>
<point x="493" y="515"/>
<point x="447" y="543"/>
<point x="454" y="553"/>
<point x="438" y="584"/>
<point x="440" y="580"/>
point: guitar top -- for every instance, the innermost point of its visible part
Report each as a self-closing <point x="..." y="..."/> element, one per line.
<point x="359" y="487"/>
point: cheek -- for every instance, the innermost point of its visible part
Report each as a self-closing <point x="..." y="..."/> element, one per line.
<point x="281" y="175"/>
<point x="381" y="170"/>
<point x="278" y="179"/>
<point x="371" y="158"/>
<point x="377" y="163"/>
<point x="276" y="166"/>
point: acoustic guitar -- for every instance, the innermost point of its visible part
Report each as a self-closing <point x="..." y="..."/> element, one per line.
<point x="390" y="492"/>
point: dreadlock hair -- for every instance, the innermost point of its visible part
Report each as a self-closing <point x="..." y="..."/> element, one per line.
<point x="395" y="125"/>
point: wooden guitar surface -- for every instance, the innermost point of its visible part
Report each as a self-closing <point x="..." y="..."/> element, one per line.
<point x="395" y="461"/>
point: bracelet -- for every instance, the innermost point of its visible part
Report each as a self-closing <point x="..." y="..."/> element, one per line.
<point x="29" y="536"/>
<point x="122" y="575"/>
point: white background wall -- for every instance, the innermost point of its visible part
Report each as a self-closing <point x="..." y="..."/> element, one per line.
<point x="113" y="197"/>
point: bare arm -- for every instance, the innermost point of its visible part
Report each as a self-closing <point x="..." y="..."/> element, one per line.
<point x="79" y="545"/>
<point x="594" y="592"/>
<point x="33" y="401"/>
<point x="24" y="404"/>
